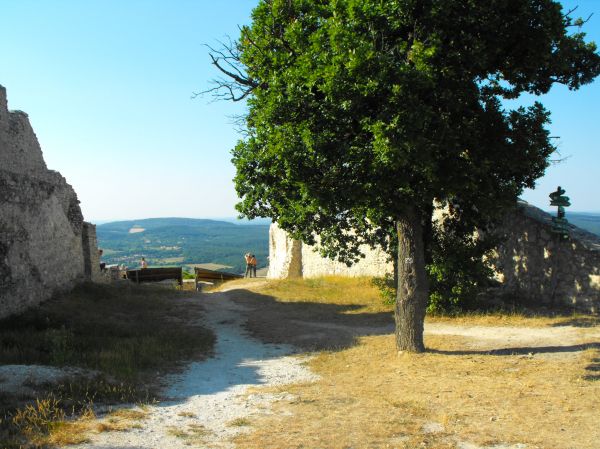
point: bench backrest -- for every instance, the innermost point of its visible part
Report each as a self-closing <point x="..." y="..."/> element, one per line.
<point x="155" y="274"/>
<point x="211" y="275"/>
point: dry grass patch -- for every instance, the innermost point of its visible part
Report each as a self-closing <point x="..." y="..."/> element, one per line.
<point x="128" y="414"/>
<point x="68" y="432"/>
<point x="358" y="295"/>
<point x="369" y="396"/>
<point x="192" y="434"/>
<point x="44" y="423"/>
<point x="121" y="420"/>
<point x="518" y="317"/>
<point x="239" y="422"/>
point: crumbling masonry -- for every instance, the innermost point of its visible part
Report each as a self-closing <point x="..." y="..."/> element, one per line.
<point x="532" y="264"/>
<point x="45" y="246"/>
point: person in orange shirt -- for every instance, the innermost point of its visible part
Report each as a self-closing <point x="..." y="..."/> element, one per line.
<point x="253" y="263"/>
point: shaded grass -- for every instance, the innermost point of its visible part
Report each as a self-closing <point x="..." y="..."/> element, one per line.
<point x="358" y="293"/>
<point x="369" y="396"/>
<point x="122" y="336"/>
<point x="120" y="331"/>
<point x="360" y="296"/>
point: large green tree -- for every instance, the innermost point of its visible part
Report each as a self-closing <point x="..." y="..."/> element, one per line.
<point x="363" y="114"/>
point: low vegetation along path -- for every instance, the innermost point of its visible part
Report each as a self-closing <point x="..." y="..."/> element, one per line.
<point x="210" y="402"/>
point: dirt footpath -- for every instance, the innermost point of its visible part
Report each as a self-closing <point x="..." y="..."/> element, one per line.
<point x="258" y="341"/>
<point x="206" y="405"/>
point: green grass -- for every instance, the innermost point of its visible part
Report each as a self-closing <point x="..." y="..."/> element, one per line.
<point x="122" y="335"/>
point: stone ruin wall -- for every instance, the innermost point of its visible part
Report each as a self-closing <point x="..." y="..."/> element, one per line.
<point x="532" y="264"/>
<point x="535" y="265"/>
<point x="45" y="246"/>
<point x="290" y="258"/>
<point x="285" y="255"/>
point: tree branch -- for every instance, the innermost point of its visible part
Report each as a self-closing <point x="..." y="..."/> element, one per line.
<point x="236" y="85"/>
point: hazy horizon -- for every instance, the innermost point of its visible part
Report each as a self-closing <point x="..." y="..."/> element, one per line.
<point x="265" y="220"/>
<point x="234" y="220"/>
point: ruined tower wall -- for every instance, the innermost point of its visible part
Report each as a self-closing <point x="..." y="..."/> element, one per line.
<point x="41" y="224"/>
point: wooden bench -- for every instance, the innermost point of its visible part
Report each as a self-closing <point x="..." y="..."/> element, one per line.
<point x="155" y="274"/>
<point x="205" y="275"/>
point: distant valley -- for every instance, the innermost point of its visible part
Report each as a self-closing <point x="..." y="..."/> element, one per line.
<point x="588" y="221"/>
<point x="184" y="242"/>
<point x="213" y="244"/>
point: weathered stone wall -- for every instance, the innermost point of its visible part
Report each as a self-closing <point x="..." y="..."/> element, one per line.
<point x="532" y="264"/>
<point x="91" y="256"/>
<point x="41" y="225"/>
<point x="285" y="255"/>
<point x="291" y="258"/>
<point x="374" y="264"/>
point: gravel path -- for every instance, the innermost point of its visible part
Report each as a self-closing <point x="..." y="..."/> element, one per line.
<point x="208" y="403"/>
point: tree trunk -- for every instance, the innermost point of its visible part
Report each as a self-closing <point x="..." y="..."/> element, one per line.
<point x="413" y="288"/>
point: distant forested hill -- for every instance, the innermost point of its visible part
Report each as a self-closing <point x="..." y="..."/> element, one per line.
<point x="183" y="241"/>
<point x="188" y="241"/>
<point x="588" y="221"/>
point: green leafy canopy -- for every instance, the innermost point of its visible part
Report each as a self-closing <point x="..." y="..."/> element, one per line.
<point x="357" y="108"/>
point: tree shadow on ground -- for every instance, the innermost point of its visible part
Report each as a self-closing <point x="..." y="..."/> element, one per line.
<point x="525" y="350"/>
<point x="279" y="328"/>
<point x="593" y="369"/>
<point x="307" y="325"/>
<point x="314" y="326"/>
<point x="586" y="321"/>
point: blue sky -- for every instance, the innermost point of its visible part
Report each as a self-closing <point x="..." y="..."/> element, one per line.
<point x="107" y="85"/>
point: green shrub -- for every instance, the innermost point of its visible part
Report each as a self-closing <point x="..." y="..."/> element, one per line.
<point x="458" y="271"/>
<point x="386" y="287"/>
